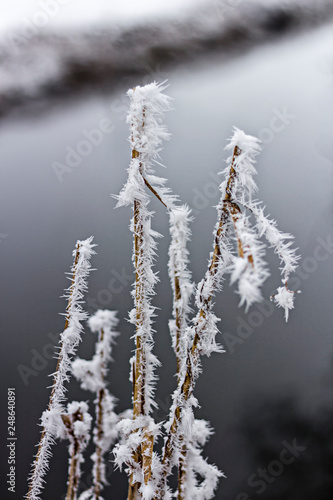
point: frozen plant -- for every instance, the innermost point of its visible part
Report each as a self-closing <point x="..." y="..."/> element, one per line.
<point x="242" y="230"/>
<point x="239" y="193"/>
<point x="183" y="288"/>
<point x="188" y="441"/>
<point x="92" y="375"/>
<point x="238" y="251"/>
<point x="181" y="281"/>
<point x="69" y="341"/>
<point x="77" y="423"/>
<point x="147" y="132"/>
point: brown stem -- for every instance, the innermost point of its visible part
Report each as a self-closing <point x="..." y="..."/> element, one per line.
<point x="99" y="425"/>
<point x="177" y="298"/>
<point x="179" y="358"/>
<point x="138" y="389"/>
<point x="97" y="486"/>
<point x="149" y="186"/>
<point x="182" y="472"/>
<point x="74" y="476"/>
<point x="147" y="453"/>
<point x="140" y="361"/>
<point x="143" y="456"/>
<point x="193" y="356"/>
<point x="235" y="211"/>
<point x="55" y="378"/>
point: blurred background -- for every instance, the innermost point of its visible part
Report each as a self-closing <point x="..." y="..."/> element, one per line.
<point x="263" y="66"/>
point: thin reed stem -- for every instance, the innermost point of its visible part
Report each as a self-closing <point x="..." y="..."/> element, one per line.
<point x="99" y="426"/>
<point x="45" y="439"/>
<point x="73" y="476"/>
<point x="192" y="360"/>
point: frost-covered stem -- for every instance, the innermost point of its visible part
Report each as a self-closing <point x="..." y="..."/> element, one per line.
<point x="181" y="282"/>
<point x="99" y="453"/>
<point x="182" y="456"/>
<point x="192" y="359"/>
<point x="139" y="366"/>
<point x="141" y="456"/>
<point x="182" y="472"/>
<point x="139" y="371"/>
<point x="99" y="426"/>
<point x="177" y="299"/>
<point x="235" y="212"/>
<point x="44" y="438"/>
<point x="73" y="476"/>
<point x="147" y="453"/>
<point x="132" y="489"/>
<point x="76" y="424"/>
<point x="92" y="375"/>
<point x="147" y="132"/>
<point x="182" y="290"/>
<point x="74" y="313"/>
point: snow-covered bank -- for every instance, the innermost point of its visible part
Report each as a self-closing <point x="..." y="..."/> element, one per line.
<point x="37" y="62"/>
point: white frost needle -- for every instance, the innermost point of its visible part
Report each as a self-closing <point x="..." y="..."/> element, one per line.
<point x="92" y="375"/>
<point x="181" y="281"/>
<point x="284" y="298"/>
<point x="70" y="338"/>
<point x="147" y="132"/>
<point x="77" y="423"/>
<point x="238" y="251"/>
<point x="247" y="268"/>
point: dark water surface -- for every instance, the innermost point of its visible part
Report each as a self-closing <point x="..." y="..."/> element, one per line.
<point x="273" y="383"/>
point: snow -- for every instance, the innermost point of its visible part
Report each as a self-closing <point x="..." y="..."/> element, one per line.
<point x="41" y="52"/>
<point x="80" y="13"/>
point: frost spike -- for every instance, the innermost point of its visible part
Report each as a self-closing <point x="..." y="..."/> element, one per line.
<point x="70" y="339"/>
<point x="77" y="423"/>
<point x="241" y="192"/>
<point x="92" y="375"/>
<point x="192" y="366"/>
<point x="147" y="133"/>
<point x="183" y="288"/>
<point x="180" y="278"/>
